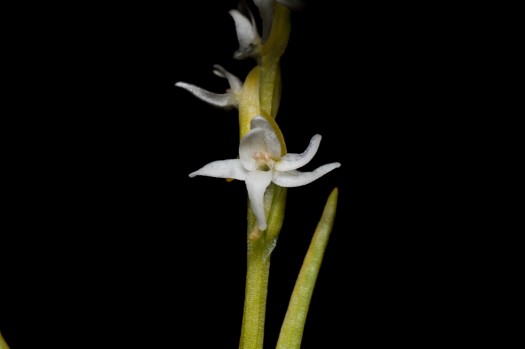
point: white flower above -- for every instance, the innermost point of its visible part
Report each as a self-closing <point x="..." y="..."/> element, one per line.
<point x="247" y="34"/>
<point x="246" y="28"/>
<point x="226" y="100"/>
<point x="260" y="163"/>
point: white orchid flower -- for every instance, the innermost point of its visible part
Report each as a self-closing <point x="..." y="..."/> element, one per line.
<point x="260" y="163"/>
<point x="247" y="33"/>
<point x="226" y="100"/>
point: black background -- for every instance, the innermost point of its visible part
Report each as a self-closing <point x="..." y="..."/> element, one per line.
<point x="109" y="243"/>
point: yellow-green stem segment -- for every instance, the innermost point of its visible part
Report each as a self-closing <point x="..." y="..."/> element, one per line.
<point x="252" y="333"/>
<point x="271" y="52"/>
<point x="260" y="247"/>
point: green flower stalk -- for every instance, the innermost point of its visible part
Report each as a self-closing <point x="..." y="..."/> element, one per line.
<point x="267" y="168"/>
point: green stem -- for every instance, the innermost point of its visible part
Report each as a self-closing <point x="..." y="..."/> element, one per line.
<point x="273" y="49"/>
<point x="252" y="334"/>
<point x="260" y="247"/>
<point x="270" y="85"/>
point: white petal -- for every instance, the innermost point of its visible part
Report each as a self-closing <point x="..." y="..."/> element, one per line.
<point x="222" y="169"/>
<point x="296" y="179"/>
<point x="235" y="82"/>
<point x="273" y="145"/>
<point x="246" y="33"/>
<point x="266" y="11"/>
<point x="294" y="161"/>
<point x="225" y="100"/>
<point x="256" y="184"/>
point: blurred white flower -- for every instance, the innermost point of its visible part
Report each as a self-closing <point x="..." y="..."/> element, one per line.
<point x="247" y="34"/>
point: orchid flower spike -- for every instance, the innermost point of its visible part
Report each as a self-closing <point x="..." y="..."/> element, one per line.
<point x="266" y="8"/>
<point x="261" y="163"/>
<point x="226" y="100"/>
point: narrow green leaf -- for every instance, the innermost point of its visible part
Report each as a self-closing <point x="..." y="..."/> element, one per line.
<point x="293" y="324"/>
<point x="3" y="344"/>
